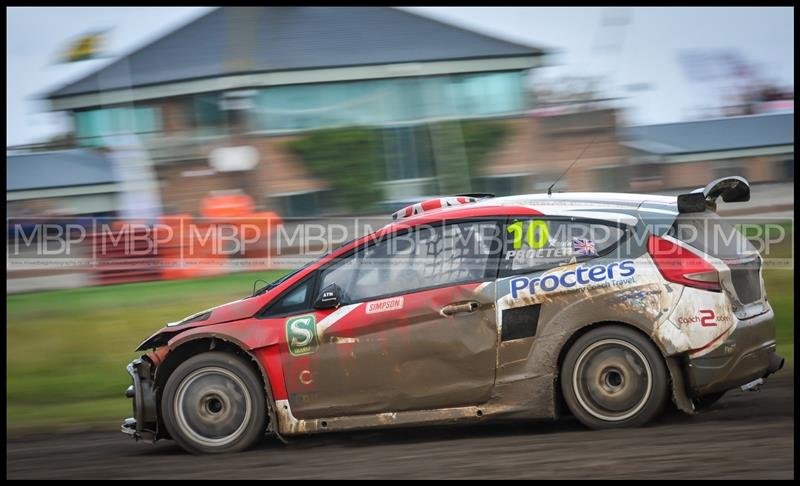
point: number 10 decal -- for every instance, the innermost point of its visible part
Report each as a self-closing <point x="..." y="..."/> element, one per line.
<point x="535" y="239"/>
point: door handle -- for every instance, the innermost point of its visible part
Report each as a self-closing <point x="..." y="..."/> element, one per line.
<point x="460" y="308"/>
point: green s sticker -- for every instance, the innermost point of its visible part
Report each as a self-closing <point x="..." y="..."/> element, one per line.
<point x="301" y="335"/>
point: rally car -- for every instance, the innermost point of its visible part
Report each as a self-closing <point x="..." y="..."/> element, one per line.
<point x="471" y="308"/>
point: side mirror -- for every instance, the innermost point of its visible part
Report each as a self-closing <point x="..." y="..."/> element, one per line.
<point x="329" y="298"/>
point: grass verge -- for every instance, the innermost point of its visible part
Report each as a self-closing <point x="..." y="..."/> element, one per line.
<point x="67" y="349"/>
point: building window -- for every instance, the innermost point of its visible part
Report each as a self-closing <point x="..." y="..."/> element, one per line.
<point x="407" y="153"/>
<point x="786" y="170"/>
<point x="388" y="101"/>
<point x="502" y="185"/>
<point x="209" y="118"/>
<point x="610" y="178"/>
<point x="487" y="94"/>
<point x="304" y="204"/>
<point x="727" y="168"/>
<point x="645" y="177"/>
<point x="91" y="126"/>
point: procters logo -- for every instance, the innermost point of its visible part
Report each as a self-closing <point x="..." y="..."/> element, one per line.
<point x="301" y="335"/>
<point x="581" y="276"/>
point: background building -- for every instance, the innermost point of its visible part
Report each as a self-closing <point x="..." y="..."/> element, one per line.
<point x="285" y="71"/>
<point x="679" y="155"/>
<point x="64" y="182"/>
<point x="313" y="110"/>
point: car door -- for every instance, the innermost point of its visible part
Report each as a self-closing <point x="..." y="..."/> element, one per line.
<point x="540" y="275"/>
<point x="415" y="330"/>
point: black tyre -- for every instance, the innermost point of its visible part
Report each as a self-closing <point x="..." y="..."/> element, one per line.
<point x="707" y="401"/>
<point x="613" y="376"/>
<point x="214" y="403"/>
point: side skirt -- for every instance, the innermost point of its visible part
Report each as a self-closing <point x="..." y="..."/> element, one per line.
<point x="511" y="401"/>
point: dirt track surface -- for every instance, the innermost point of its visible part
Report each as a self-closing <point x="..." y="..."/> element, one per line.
<point x="745" y="435"/>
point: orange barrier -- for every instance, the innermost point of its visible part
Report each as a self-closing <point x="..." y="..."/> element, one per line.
<point x="197" y="248"/>
<point x="227" y="206"/>
<point x="180" y="246"/>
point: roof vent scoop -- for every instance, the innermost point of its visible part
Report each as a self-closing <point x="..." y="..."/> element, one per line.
<point x="438" y="203"/>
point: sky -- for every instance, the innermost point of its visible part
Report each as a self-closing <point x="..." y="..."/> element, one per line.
<point x="636" y="59"/>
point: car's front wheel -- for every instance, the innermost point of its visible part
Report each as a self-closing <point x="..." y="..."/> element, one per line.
<point x="613" y="376"/>
<point x="214" y="403"/>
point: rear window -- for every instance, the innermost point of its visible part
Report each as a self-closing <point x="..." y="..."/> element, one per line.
<point x="711" y="234"/>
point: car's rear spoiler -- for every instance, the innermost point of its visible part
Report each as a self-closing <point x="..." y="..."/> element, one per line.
<point x="732" y="189"/>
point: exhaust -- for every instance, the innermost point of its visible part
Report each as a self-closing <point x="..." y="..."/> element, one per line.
<point x="775" y="363"/>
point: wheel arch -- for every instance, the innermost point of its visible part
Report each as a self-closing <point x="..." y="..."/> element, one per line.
<point x="562" y="352"/>
<point x="679" y="395"/>
<point x="198" y="344"/>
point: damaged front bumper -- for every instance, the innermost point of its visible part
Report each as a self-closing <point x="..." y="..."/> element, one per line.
<point x="144" y="423"/>
<point x="746" y="356"/>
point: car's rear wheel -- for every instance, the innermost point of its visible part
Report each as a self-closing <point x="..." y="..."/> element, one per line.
<point x="214" y="403"/>
<point x="613" y="376"/>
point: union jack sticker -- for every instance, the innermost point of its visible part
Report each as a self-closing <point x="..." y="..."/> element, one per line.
<point x="584" y="247"/>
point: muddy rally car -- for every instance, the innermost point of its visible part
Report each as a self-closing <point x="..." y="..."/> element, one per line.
<point x="469" y="308"/>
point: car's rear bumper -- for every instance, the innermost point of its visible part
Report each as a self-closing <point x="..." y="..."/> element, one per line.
<point x="746" y="355"/>
<point x="143" y="424"/>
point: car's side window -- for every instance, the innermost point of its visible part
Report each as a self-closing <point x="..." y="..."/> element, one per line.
<point x="296" y="299"/>
<point x="541" y="243"/>
<point x="426" y="257"/>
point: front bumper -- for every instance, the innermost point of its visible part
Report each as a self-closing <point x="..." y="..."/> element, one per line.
<point x="746" y="355"/>
<point x="144" y="423"/>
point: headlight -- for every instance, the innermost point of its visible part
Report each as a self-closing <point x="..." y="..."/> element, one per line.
<point x="203" y="316"/>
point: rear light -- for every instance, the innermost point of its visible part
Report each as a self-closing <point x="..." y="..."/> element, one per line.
<point x="680" y="265"/>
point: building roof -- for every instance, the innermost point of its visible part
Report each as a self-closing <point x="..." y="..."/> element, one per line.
<point x="238" y="40"/>
<point x="719" y="134"/>
<point x="64" y="168"/>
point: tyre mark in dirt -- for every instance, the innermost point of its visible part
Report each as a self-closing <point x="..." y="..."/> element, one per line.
<point x="745" y="435"/>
